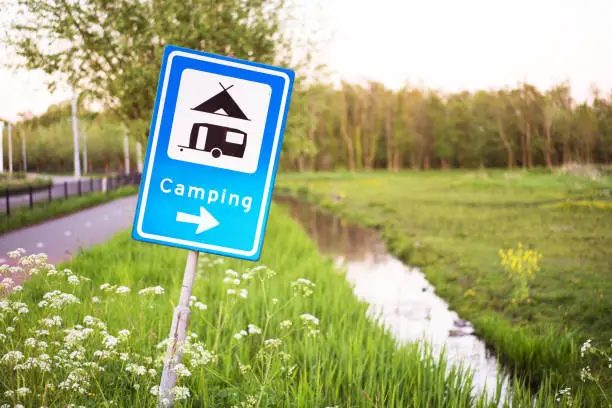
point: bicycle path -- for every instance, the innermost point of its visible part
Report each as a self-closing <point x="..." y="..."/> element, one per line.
<point x="62" y="237"/>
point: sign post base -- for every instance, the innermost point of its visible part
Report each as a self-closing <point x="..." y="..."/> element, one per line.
<point x="178" y="333"/>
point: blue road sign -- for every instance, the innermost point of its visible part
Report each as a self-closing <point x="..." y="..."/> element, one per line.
<point x="212" y="153"/>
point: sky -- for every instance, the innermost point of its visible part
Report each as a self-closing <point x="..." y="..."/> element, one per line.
<point x="445" y="44"/>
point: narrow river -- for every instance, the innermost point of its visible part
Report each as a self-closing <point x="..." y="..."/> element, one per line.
<point x="400" y="295"/>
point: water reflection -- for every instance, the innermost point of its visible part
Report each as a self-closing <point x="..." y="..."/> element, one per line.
<point x="401" y="296"/>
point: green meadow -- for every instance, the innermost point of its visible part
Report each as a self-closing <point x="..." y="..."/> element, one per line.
<point x="284" y="332"/>
<point x="453" y="224"/>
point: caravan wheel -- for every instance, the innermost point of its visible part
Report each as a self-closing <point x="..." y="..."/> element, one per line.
<point x="216" y="152"/>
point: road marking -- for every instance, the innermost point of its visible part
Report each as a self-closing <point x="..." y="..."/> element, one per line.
<point x="40" y="245"/>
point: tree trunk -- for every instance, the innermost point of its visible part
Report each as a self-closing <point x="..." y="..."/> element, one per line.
<point x="396" y="161"/>
<point x="390" y="141"/>
<point x="504" y="139"/>
<point x="347" y="140"/>
<point x="548" y="152"/>
<point x="523" y="151"/>
<point x="567" y="153"/>
<point x="528" y="143"/>
<point x="443" y="163"/>
<point x="427" y="161"/>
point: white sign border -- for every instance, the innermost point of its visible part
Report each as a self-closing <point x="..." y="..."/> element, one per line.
<point x="160" y="110"/>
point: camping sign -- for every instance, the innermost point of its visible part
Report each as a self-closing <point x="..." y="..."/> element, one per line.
<point x="212" y="153"/>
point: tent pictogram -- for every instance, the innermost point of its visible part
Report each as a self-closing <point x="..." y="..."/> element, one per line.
<point x="222" y="102"/>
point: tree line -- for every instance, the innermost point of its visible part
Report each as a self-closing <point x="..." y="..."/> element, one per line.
<point x="111" y="53"/>
<point x="357" y="126"/>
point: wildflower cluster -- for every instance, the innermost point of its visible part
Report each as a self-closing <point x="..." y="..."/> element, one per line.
<point x="55" y="347"/>
<point x="303" y="287"/>
<point x="587" y="351"/>
<point x="520" y="265"/>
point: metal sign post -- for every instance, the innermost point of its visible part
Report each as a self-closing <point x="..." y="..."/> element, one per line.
<point x="178" y="332"/>
<point x="214" y="144"/>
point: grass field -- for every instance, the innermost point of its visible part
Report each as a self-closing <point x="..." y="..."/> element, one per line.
<point x="287" y="332"/>
<point x="24" y="216"/>
<point x="453" y="224"/>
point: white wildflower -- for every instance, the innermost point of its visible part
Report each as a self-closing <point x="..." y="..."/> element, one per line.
<point x="10" y="329"/>
<point x="200" y="305"/>
<point x="95" y="299"/>
<point x="154" y="290"/>
<point x="254" y="329"/>
<point x="122" y="290"/>
<point x="154" y="390"/>
<point x="197" y="355"/>
<point x="303" y="287"/>
<point x="12" y="356"/>
<point x="181" y="370"/>
<point x="286" y="324"/>
<point x="309" y="319"/>
<point x="73" y="280"/>
<point x="586" y="346"/>
<point x="180" y="393"/>
<point x="7" y="283"/>
<point x="243" y="293"/>
<point x="50" y="322"/>
<point x="274" y="300"/>
<point x="110" y="341"/>
<point x="231" y="273"/>
<point x="136" y="369"/>
<point x="57" y="300"/>
<point x="123" y="334"/>
<point x="272" y="343"/>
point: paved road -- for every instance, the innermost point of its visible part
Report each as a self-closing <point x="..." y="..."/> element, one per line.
<point x="62" y="237"/>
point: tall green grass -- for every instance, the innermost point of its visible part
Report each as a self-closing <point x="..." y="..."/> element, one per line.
<point x="336" y="358"/>
<point x="452" y="224"/>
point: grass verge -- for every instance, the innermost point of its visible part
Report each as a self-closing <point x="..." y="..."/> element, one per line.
<point x="43" y="211"/>
<point x="452" y="225"/>
<point x="287" y="332"/>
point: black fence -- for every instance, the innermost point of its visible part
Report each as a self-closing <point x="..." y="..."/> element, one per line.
<point x="29" y="195"/>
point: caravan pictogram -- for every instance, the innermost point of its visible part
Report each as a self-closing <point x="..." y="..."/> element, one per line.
<point x="218" y="140"/>
<point x="219" y="121"/>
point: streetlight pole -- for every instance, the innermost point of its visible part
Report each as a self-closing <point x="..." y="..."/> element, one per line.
<point x="126" y="151"/>
<point x="139" y="156"/>
<point x="75" y="131"/>
<point x="85" y="162"/>
<point x="1" y="147"/>
<point x="23" y="151"/>
<point x="10" y="149"/>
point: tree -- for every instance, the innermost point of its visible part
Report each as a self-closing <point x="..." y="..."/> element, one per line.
<point x="113" y="50"/>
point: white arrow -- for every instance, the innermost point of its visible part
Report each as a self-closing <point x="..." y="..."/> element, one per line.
<point x="205" y="220"/>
